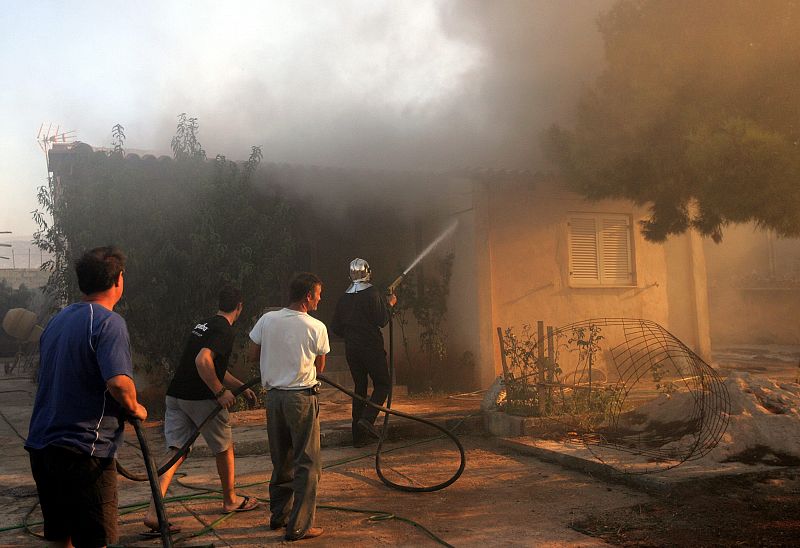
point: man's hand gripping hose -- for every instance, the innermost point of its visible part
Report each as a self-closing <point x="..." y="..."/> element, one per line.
<point x="153" y="473"/>
<point x="185" y="448"/>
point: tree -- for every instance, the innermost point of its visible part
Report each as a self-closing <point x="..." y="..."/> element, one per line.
<point x="186" y="224"/>
<point x="185" y="144"/>
<point x="696" y="114"/>
<point x="117" y="139"/>
<point x="50" y="237"/>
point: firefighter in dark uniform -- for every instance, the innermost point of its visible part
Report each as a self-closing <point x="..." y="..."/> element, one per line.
<point x="360" y="314"/>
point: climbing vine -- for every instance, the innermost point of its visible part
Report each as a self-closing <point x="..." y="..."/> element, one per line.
<point x="426" y="303"/>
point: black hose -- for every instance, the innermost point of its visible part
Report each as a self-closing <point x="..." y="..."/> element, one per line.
<point x="389" y="411"/>
<point x="180" y="453"/>
<point x="155" y="487"/>
<point x="385" y="430"/>
<point x="385" y="427"/>
<point x="153" y="473"/>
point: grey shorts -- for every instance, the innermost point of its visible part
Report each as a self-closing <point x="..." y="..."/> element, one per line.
<point x="182" y="417"/>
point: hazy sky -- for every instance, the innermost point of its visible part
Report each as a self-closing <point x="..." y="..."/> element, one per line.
<point x="364" y="83"/>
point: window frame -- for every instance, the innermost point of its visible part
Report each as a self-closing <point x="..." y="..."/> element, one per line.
<point x="604" y="238"/>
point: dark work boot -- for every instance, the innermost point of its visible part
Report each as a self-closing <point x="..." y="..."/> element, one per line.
<point x="367" y="426"/>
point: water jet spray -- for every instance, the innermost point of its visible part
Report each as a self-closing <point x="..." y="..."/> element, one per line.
<point x="447" y="231"/>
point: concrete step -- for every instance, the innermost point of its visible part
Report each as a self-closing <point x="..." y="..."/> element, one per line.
<point x="329" y="393"/>
<point x="249" y="426"/>
<point x="252" y="440"/>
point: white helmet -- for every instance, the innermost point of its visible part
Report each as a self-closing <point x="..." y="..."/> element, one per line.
<point x="359" y="270"/>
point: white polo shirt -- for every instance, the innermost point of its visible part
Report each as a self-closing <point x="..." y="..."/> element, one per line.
<point x="290" y="342"/>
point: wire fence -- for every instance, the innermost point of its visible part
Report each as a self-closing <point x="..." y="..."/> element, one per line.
<point x="16" y="255"/>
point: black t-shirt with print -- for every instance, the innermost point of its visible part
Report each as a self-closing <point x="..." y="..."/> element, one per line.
<point x="217" y="335"/>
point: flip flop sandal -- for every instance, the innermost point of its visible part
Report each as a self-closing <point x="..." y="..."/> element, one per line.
<point x="154" y="532"/>
<point x="248" y="503"/>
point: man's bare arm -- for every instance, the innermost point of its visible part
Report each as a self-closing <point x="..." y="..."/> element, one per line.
<point x="233" y="383"/>
<point x="319" y="362"/>
<point x="124" y="391"/>
<point x="204" y="361"/>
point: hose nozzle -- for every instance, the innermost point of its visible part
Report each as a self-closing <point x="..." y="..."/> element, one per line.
<point x="393" y="286"/>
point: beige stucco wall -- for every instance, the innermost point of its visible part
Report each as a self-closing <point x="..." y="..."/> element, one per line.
<point x="469" y="316"/>
<point x="511" y="269"/>
<point x="687" y="293"/>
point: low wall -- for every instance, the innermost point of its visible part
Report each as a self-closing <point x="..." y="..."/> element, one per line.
<point x="754" y="315"/>
<point x="32" y="278"/>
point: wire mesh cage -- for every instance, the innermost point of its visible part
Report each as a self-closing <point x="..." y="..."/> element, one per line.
<point x="628" y="389"/>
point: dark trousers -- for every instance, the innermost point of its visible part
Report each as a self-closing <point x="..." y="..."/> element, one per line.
<point x="293" y="430"/>
<point x="367" y="363"/>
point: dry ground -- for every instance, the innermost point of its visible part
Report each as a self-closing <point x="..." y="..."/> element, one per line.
<point x="734" y="511"/>
<point x="501" y="500"/>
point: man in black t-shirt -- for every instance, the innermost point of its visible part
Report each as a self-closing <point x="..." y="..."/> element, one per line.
<point x="200" y="383"/>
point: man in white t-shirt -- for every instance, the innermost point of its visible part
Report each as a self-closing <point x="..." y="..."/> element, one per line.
<point x="291" y="346"/>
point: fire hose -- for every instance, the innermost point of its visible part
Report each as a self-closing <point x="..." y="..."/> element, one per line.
<point x="153" y="473"/>
<point x="385" y="427"/>
<point x="388" y="411"/>
<point x="184" y="449"/>
<point x="155" y="487"/>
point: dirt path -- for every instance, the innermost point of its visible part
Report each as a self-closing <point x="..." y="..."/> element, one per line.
<point x="501" y="500"/>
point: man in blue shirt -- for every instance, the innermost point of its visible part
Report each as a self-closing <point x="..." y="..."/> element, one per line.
<point x="85" y="391"/>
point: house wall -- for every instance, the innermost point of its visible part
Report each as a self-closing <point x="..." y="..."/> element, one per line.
<point x="687" y="293"/>
<point x="470" y="316"/>
<point x="518" y="273"/>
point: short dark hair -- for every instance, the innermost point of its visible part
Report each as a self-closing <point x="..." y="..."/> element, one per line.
<point x="98" y="269"/>
<point x="302" y="284"/>
<point x="229" y="298"/>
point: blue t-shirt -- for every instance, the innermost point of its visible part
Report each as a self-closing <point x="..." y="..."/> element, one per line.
<point x="82" y="347"/>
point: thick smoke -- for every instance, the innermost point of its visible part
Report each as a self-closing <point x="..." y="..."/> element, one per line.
<point x="539" y="57"/>
<point x="493" y="76"/>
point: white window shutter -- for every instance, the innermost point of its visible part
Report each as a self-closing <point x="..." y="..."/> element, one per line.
<point x="600" y="249"/>
<point x="615" y="258"/>
<point x="584" y="259"/>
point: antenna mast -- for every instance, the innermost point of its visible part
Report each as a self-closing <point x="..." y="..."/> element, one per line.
<point x="49" y="137"/>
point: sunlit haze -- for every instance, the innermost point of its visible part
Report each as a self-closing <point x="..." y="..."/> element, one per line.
<point x="396" y="85"/>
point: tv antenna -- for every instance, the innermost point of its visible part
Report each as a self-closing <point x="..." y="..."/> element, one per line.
<point x="4" y="244"/>
<point x="49" y="137"/>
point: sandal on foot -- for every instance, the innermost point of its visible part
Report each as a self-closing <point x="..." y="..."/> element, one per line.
<point x="154" y="532"/>
<point x="248" y="503"/>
